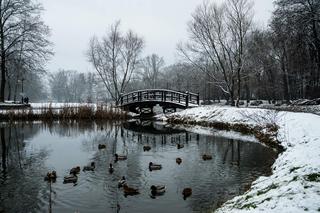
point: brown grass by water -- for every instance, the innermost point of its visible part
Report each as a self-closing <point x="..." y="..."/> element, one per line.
<point x="102" y="112"/>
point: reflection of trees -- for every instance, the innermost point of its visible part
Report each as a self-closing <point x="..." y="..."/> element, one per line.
<point x="213" y="181"/>
<point x="21" y="172"/>
<point x="231" y="169"/>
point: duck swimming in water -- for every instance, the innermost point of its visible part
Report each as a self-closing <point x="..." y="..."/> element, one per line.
<point x="130" y="191"/>
<point x="187" y="192"/>
<point x="178" y="161"/>
<point x="122" y="182"/>
<point x="120" y="157"/>
<point x="111" y="169"/>
<point x="207" y="157"/>
<point x="72" y="178"/>
<point x="102" y="146"/>
<point x="75" y="170"/>
<point x="158" y="189"/>
<point x="90" y="167"/>
<point x="180" y="146"/>
<point x="51" y="176"/>
<point x="153" y="166"/>
<point x="146" y="148"/>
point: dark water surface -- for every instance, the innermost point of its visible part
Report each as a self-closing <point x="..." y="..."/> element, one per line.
<point x="29" y="151"/>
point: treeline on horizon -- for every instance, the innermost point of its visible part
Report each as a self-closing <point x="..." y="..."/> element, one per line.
<point x="226" y="56"/>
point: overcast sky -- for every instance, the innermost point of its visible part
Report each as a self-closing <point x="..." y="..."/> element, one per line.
<point x="162" y="24"/>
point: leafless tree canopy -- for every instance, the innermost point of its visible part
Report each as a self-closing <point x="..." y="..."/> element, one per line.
<point x="115" y="58"/>
<point x="23" y="40"/>
<point x="150" y="70"/>
<point x="217" y="42"/>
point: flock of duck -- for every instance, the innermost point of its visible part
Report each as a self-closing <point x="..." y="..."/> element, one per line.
<point x="122" y="183"/>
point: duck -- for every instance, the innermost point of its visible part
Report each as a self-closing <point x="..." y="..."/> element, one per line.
<point x="158" y="189"/>
<point x="122" y="182"/>
<point x="75" y="170"/>
<point x="111" y="169"/>
<point x="187" y="192"/>
<point x="90" y="167"/>
<point x="153" y="166"/>
<point x="120" y="157"/>
<point x="235" y="163"/>
<point x="178" y="161"/>
<point x="206" y="157"/>
<point x="146" y="148"/>
<point x="51" y="176"/>
<point x="71" y="178"/>
<point x="180" y="146"/>
<point x="102" y="146"/>
<point x="130" y="191"/>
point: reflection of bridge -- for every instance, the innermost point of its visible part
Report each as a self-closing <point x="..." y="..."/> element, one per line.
<point x="147" y="131"/>
<point x="150" y="127"/>
<point x="143" y="101"/>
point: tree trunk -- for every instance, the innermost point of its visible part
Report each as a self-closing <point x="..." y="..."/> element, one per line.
<point x="238" y="86"/>
<point x="9" y="90"/>
<point x="232" y="93"/>
<point x="4" y="149"/>
<point x="285" y="81"/>
<point x="2" y="67"/>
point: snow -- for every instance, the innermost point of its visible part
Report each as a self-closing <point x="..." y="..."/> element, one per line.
<point x="294" y="185"/>
<point x="220" y="133"/>
<point x="38" y="108"/>
<point x="59" y="105"/>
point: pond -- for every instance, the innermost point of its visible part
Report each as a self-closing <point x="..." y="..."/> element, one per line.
<point x="29" y="151"/>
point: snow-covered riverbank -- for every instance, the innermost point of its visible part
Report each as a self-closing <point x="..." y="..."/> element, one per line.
<point x="294" y="185"/>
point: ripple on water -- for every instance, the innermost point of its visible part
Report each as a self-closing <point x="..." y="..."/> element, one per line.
<point x="234" y="164"/>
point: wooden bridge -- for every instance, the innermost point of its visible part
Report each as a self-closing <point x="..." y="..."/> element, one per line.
<point x="143" y="101"/>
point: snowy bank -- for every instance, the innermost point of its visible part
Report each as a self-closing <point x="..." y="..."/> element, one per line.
<point x="294" y="185"/>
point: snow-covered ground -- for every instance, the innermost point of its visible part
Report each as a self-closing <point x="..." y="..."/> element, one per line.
<point x="60" y="105"/>
<point x="294" y="185"/>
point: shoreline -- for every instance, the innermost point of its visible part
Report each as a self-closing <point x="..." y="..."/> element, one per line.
<point x="294" y="185"/>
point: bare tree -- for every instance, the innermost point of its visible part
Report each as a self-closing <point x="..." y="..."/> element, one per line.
<point x="151" y="67"/>
<point x="216" y="44"/>
<point x="115" y="58"/>
<point x="23" y="33"/>
<point x="239" y="22"/>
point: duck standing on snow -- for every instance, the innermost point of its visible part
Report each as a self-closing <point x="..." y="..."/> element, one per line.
<point x="122" y="182"/>
<point x="158" y="189"/>
<point x="153" y="166"/>
<point x="120" y="157"/>
<point x="90" y="167"/>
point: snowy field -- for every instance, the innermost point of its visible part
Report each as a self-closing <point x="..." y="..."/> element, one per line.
<point x="294" y="185"/>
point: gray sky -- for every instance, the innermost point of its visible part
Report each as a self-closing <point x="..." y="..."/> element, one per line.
<point x="162" y="24"/>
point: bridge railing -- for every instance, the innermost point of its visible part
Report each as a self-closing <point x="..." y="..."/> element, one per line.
<point x="182" y="98"/>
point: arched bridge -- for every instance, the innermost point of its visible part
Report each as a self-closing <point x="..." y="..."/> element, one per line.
<point x="143" y="101"/>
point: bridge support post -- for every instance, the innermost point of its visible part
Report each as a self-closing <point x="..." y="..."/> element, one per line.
<point x="187" y="99"/>
<point x="198" y="99"/>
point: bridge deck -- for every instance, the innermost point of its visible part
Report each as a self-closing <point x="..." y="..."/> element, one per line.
<point x="163" y="97"/>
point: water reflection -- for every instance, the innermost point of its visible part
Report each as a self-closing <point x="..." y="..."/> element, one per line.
<point x="30" y="151"/>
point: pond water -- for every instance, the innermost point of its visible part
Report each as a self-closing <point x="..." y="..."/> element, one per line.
<point x="29" y="151"/>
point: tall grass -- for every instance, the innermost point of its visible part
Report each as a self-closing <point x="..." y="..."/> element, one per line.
<point x="100" y="112"/>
